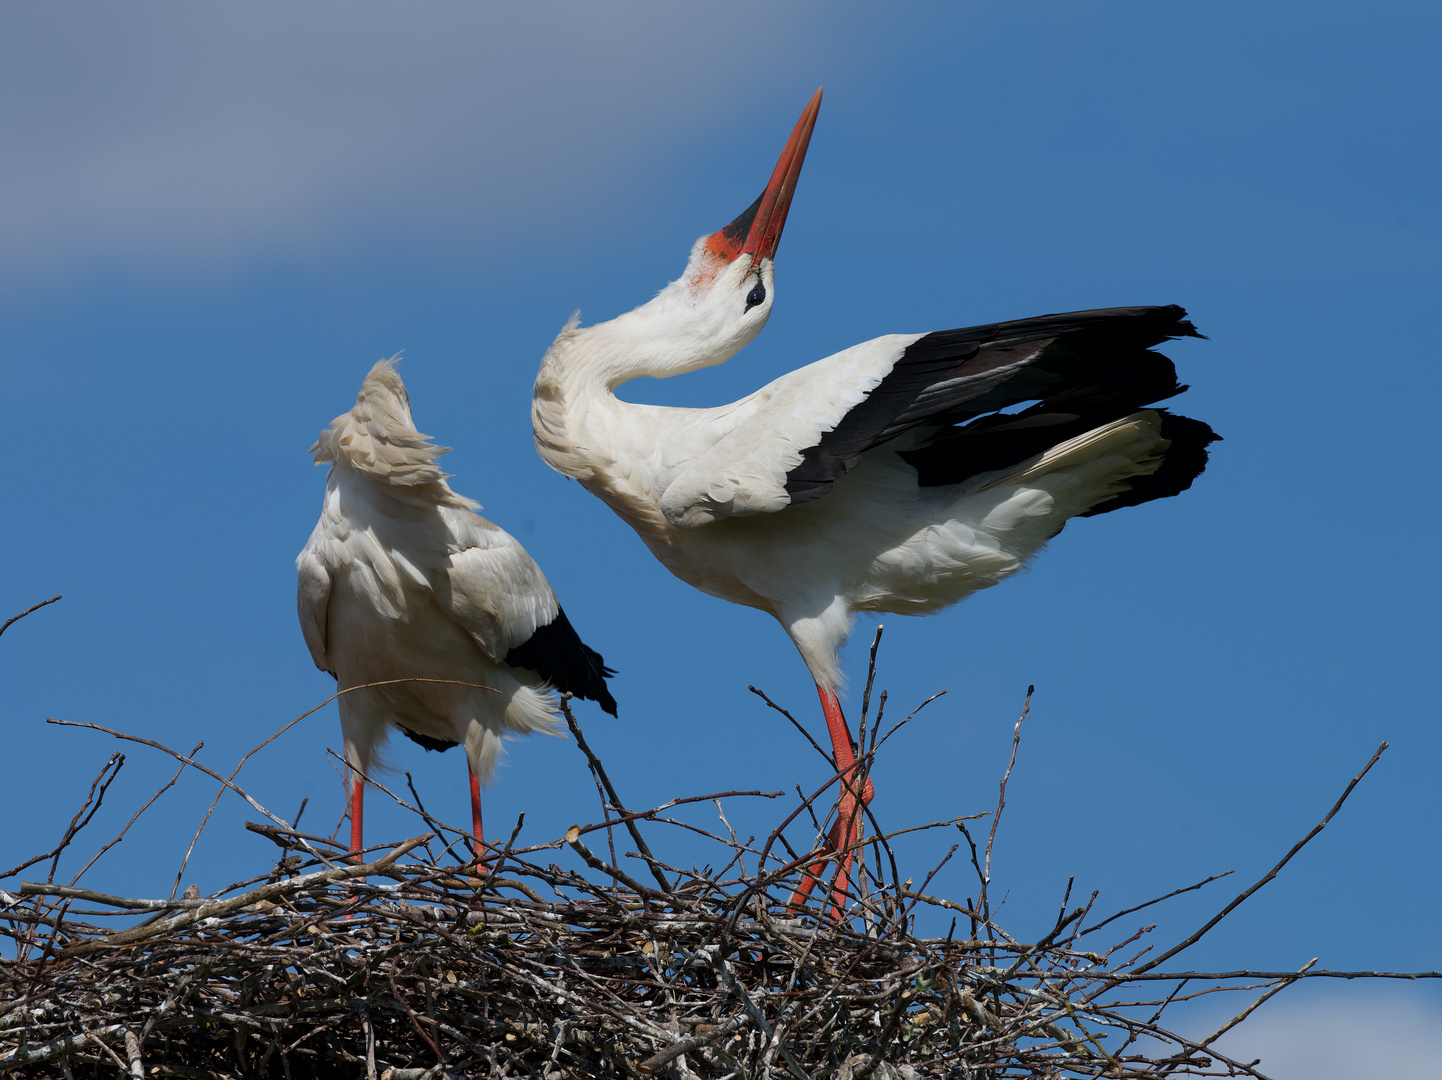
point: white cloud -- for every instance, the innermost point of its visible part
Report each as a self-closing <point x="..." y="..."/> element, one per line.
<point x="179" y="134"/>
<point x="1368" y="1036"/>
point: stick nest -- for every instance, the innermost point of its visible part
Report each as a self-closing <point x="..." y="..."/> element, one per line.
<point x="541" y="971"/>
<point x="419" y="963"/>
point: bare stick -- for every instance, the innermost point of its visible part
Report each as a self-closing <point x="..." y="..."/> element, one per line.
<point x="218" y="908"/>
<point x="1298" y="846"/>
<point x="236" y="771"/>
<point x="434" y="824"/>
<point x="981" y="901"/>
<point x="134" y="817"/>
<point x="27" y="611"/>
<point x="870" y="674"/>
<point x="1254" y="1006"/>
<point x="178" y="757"/>
<point x="615" y="799"/>
<point x="285" y="837"/>
<point x="797" y="725"/>
<point x="573" y="838"/>
<point x="601" y="797"/>
<point x="98" y="786"/>
<point x="98" y="1041"/>
<point x="493" y="877"/>
<point x="1272" y="976"/>
<point x="877" y="745"/>
<point x="1158" y="900"/>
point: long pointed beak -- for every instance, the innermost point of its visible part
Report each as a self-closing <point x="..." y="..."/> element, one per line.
<point x="758" y="231"/>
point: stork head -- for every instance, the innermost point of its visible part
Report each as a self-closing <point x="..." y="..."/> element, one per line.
<point x="723" y="299"/>
<point x="732" y="271"/>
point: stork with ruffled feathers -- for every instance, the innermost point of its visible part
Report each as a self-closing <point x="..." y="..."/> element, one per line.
<point x="893" y="476"/>
<point x="403" y="583"/>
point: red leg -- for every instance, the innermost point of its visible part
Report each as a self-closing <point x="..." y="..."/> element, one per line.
<point x="476" y="814"/>
<point x="847" y="828"/>
<point x="357" y="813"/>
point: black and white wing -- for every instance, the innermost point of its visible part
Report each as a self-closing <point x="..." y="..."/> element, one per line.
<point x="792" y="440"/>
<point x="494" y="589"/>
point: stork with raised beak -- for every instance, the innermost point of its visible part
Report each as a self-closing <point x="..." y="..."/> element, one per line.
<point x="899" y="475"/>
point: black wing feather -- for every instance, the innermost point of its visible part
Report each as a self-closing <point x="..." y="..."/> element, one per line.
<point x="426" y="741"/>
<point x="557" y="653"/>
<point x="952" y="376"/>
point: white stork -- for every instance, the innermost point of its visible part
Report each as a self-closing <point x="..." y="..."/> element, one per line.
<point x="402" y="580"/>
<point x="891" y="477"/>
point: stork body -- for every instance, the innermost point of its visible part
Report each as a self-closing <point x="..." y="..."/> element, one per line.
<point x="402" y="580"/>
<point x="890" y="477"/>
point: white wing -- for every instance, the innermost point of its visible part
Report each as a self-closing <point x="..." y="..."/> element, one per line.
<point x="735" y="460"/>
<point x="490" y="586"/>
<point x="399" y="556"/>
<point x="312" y="595"/>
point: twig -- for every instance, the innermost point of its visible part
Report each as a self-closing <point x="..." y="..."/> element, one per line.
<point x="797" y="725"/>
<point x="629" y="820"/>
<point x="573" y="838"/>
<point x="226" y="783"/>
<point x="218" y="908"/>
<point x="1158" y="900"/>
<point x="981" y="901"/>
<point x="108" y="772"/>
<point x="1254" y="1006"/>
<point x="434" y="825"/>
<point x="178" y="757"/>
<point x="870" y="673"/>
<point x="27" y="611"/>
<point x="135" y="817"/>
<point x="1298" y="846"/>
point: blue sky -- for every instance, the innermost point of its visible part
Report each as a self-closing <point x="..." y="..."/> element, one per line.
<point x="212" y="221"/>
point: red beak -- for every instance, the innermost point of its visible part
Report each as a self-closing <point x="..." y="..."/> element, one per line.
<point x="758" y="231"/>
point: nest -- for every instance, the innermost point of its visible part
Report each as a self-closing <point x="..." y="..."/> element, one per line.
<point x="420" y="962"/>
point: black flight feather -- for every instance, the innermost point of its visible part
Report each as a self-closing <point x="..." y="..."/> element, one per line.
<point x="557" y="653"/>
<point x="426" y="741"/>
<point x="1085" y="360"/>
<point x="1182" y="463"/>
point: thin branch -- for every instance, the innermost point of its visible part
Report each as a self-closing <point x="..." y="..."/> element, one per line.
<point x="236" y="771"/>
<point x="1158" y="900"/>
<point x="797" y="725"/>
<point x="1298" y="846"/>
<point x="27" y="611"/>
<point x="178" y="757"/>
<point x="629" y="819"/>
<point x="218" y="908"/>
<point x="98" y="787"/>
<point x="1254" y="1006"/>
<point x="135" y="817"/>
<point x="982" y="900"/>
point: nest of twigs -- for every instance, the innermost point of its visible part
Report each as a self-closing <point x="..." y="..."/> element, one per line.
<point x="421" y="964"/>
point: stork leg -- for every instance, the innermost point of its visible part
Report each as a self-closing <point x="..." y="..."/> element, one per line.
<point x="846" y="830"/>
<point x="357" y="813"/>
<point x="476" y="816"/>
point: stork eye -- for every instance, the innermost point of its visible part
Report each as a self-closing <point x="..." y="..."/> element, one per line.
<point x="755" y="296"/>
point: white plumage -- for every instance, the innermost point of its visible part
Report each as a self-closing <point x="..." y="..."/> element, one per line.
<point x="884" y="478"/>
<point x="401" y="579"/>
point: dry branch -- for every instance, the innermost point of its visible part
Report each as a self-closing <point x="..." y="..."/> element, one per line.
<point x="27" y="611"/>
